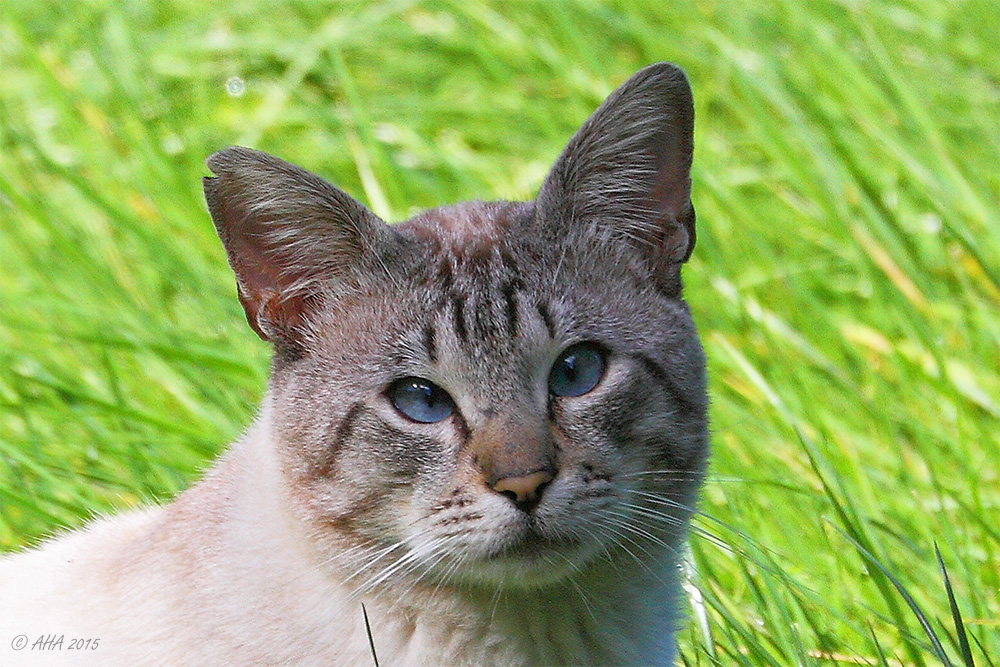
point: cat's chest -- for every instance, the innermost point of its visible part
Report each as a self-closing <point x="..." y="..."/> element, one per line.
<point x="530" y="629"/>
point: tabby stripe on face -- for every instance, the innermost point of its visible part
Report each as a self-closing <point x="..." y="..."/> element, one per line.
<point x="543" y="312"/>
<point x="462" y="427"/>
<point x="458" y="317"/>
<point x="550" y="412"/>
<point x="407" y="449"/>
<point x="510" y="290"/>
<point x="347" y="520"/>
<point x="429" y="342"/>
<point x="660" y="374"/>
<point x="510" y="307"/>
<point x="345" y="427"/>
<point x="444" y="275"/>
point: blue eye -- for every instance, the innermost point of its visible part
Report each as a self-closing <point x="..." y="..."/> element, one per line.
<point x="577" y="370"/>
<point x="421" y="400"/>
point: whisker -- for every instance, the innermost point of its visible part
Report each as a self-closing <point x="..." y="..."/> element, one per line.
<point x="427" y="564"/>
<point x="652" y="513"/>
<point x="668" y="519"/>
<point x="663" y="471"/>
<point x="497" y="593"/>
<point x="450" y="569"/>
<point x="629" y="526"/>
<point x="698" y="514"/>
<point x="370" y="563"/>
<point x="622" y="538"/>
<point x="663" y="500"/>
<point x="651" y="518"/>
<point x="372" y="583"/>
<point x="684" y="475"/>
<point x="712" y="538"/>
<point x="671" y="472"/>
<point x="340" y="555"/>
<point x="626" y="538"/>
<point x="380" y="575"/>
<point x="583" y="598"/>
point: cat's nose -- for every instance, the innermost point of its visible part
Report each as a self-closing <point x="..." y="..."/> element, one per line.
<point x="524" y="490"/>
<point x="516" y="456"/>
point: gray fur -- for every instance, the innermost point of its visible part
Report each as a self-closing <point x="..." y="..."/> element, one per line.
<point x="598" y="255"/>
<point x="468" y="302"/>
<point x="334" y="497"/>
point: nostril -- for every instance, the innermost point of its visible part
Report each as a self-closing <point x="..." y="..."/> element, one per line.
<point x="524" y="490"/>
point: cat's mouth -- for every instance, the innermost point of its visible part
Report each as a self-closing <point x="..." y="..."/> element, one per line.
<point x="525" y="554"/>
<point x="487" y="539"/>
<point x="531" y="544"/>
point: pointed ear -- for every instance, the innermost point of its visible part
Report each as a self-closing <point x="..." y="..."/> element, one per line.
<point x="627" y="171"/>
<point x="285" y="231"/>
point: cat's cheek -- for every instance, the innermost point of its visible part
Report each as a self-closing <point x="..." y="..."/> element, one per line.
<point x="460" y="528"/>
<point x="669" y="440"/>
<point x="384" y="447"/>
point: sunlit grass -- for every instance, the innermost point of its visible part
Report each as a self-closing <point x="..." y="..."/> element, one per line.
<point x="846" y="279"/>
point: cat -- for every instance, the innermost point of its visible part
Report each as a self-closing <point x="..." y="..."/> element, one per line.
<point x="486" y="424"/>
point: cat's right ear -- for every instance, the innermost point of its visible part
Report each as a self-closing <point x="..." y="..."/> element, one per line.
<point x="285" y="231"/>
<point x="626" y="173"/>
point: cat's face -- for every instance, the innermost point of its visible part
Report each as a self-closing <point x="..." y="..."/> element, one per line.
<point x="491" y="393"/>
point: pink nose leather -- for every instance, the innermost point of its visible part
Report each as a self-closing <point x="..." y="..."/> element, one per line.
<point x="525" y="487"/>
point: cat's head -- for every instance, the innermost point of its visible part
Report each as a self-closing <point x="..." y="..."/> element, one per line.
<point x="494" y="392"/>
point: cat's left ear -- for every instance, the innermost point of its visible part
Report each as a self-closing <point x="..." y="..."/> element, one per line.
<point x="286" y="233"/>
<point x="627" y="171"/>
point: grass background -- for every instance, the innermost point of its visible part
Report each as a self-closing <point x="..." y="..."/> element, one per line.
<point x="846" y="280"/>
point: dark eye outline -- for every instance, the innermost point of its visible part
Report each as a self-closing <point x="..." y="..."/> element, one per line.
<point x="602" y="356"/>
<point x="394" y="393"/>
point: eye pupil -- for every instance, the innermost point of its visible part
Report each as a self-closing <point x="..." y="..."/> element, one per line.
<point x="577" y="370"/>
<point x="569" y="366"/>
<point x="421" y="400"/>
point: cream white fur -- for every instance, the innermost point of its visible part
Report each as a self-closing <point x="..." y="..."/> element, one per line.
<point x="268" y="560"/>
<point x="222" y="577"/>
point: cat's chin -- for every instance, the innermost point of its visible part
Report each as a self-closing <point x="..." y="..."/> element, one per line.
<point x="515" y="572"/>
<point x="529" y="561"/>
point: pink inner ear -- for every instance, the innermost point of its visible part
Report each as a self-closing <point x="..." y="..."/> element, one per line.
<point x="265" y="280"/>
<point x="672" y="185"/>
<point x="266" y="285"/>
<point x="259" y="281"/>
<point x="671" y="194"/>
<point x="285" y="230"/>
<point x="274" y="316"/>
<point x="250" y="302"/>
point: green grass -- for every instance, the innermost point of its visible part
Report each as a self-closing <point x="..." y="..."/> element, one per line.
<point x="846" y="279"/>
